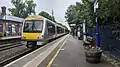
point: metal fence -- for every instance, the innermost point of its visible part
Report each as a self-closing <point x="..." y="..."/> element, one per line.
<point x="109" y="38"/>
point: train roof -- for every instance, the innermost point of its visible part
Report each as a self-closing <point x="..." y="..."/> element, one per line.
<point x="11" y="18"/>
<point x="38" y="17"/>
<point x="35" y="17"/>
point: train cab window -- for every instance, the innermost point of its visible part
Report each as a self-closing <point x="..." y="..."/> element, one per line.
<point x="33" y="26"/>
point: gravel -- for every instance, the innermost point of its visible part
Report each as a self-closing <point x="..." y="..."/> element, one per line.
<point x="11" y="52"/>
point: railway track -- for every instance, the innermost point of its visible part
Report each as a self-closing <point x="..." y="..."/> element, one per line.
<point x="8" y="45"/>
<point x="4" y="45"/>
<point x="20" y="54"/>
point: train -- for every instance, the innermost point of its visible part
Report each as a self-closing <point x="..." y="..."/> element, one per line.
<point x="38" y="30"/>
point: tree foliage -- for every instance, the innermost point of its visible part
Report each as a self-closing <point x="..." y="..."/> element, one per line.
<point x="79" y="12"/>
<point x="22" y="9"/>
<point x="108" y="12"/>
<point x="46" y="15"/>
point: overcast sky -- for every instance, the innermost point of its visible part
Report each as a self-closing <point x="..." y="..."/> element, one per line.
<point x="59" y="7"/>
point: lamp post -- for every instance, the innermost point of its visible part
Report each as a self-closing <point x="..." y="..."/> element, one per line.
<point x="96" y="20"/>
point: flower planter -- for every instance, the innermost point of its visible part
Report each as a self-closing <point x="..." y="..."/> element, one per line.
<point x="93" y="57"/>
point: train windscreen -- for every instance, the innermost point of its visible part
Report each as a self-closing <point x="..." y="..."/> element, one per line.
<point x="33" y="26"/>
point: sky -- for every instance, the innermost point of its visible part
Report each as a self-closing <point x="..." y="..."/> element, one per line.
<point x="58" y="6"/>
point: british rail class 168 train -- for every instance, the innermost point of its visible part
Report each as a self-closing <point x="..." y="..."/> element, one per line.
<point x="38" y="30"/>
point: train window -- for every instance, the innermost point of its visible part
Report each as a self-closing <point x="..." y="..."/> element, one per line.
<point x="51" y="27"/>
<point x="59" y="30"/>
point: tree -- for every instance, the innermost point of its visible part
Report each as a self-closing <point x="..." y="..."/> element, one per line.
<point x="108" y="12"/>
<point x="70" y="14"/>
<point x="46" y="15"/>
<point x="30" y="7"/>
<point x="77" y="13"/>
<point x="22" y="9"/>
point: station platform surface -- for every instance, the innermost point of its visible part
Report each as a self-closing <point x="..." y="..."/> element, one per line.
<point x="71" y="54"/>
<point x="66" y="51"/>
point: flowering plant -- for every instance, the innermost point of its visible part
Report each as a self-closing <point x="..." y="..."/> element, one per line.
<point x="92" y="49"/>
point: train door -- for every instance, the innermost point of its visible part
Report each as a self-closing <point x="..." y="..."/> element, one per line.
<point x="59" y="31"/>
<point x="55" y="30"/>
<point x="46" y="31"/>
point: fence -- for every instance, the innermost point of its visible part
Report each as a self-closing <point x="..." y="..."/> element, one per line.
<point x="109" y="38"/>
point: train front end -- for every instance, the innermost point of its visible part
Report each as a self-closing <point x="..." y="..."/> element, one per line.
<point x="32" y="31"/>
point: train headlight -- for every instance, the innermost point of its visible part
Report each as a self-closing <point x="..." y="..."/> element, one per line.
<point x="23" y="37"/>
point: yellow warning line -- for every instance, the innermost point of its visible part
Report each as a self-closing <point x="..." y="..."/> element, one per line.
<point x="51" y="61"/>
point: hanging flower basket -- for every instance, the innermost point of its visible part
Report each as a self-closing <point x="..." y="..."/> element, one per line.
<point x="93" y="54"/>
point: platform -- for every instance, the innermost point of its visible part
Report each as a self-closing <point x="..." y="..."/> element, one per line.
<point x="10" y="37"/>
<point x="64" y="52"/>
<point x="71" y="55"/>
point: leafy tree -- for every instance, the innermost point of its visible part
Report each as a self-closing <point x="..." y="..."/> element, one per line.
<point x="22" y="9"/>
<point x="108" y="12"/>
<point x="30" y="7"/>
<point x="70" y="15"/>
<point x="77" y="13"/>
<point x="46" y="15"/>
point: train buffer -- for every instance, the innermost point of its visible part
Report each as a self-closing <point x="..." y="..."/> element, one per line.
<point x="66" y="51"/>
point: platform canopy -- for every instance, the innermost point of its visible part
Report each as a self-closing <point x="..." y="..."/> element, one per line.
<point x="11" y="18"/>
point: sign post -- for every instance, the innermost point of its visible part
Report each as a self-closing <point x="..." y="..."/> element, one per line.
<point x="97" y="25"/>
